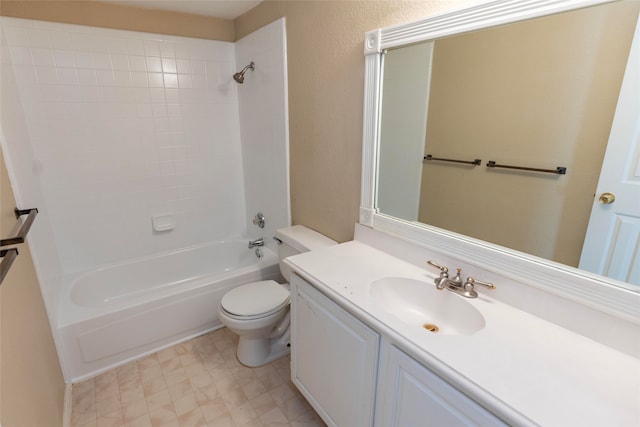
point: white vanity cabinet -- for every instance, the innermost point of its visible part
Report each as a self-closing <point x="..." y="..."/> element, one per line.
<point x="335" y="364"/>
<point x="409" y="394"/>
<point x="334" y="358"/>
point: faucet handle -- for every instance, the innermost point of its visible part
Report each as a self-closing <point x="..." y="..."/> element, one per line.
<point x="470" y="282"/>
<point x="442" y="268"/>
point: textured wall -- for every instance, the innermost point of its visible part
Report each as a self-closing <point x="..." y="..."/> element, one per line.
<point x="32" y="386"/>
<point x="326" y="81"/>
<point x="103" y="14"/>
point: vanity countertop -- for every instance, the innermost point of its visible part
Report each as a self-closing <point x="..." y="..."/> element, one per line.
<point x="522" y="368"/>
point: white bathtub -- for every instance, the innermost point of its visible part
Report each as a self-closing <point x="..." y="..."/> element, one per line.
<point x="120" y="312"/>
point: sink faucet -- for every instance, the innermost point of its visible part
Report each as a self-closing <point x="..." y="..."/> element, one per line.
<point x="255" y="243"/>
<point x="456" y="284"/>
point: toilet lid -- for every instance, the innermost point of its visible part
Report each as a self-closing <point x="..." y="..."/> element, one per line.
<point x="255" y="298"/>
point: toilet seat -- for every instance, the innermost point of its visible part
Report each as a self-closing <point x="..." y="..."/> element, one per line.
<point x="255" y="300"/>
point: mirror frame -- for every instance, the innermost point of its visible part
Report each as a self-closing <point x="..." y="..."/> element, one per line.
<point x="599" y="292"/>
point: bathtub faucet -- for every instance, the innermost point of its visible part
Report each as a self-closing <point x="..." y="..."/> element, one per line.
<point x="257" y="242"/>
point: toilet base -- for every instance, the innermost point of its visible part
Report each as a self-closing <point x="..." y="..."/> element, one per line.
<point x="258" y="352"/>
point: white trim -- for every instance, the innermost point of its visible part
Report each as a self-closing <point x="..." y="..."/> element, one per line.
<point x="595" y="291"/>
<point x="68" y="405"/>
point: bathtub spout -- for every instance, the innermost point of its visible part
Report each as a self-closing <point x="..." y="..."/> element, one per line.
<point x="255" y="243"/>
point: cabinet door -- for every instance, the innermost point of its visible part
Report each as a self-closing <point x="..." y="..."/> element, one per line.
<point x="334" y="358"/>
<point x="411" y="395"/>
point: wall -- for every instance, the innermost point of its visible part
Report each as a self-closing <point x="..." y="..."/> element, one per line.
<point x="32" y="387"/>
<point x="530" y="97"/>
<point x="102" y="14"/>
<point x="124" y="126"/>
<point x="326" y="81"/>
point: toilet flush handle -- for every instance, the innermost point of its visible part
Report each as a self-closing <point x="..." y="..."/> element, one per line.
<point x="277" y="240"/>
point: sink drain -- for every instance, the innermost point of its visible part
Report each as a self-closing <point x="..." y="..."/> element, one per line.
<point x="431" y="327"/>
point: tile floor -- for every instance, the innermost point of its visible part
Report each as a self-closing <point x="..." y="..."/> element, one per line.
<point x="195" y="383"/>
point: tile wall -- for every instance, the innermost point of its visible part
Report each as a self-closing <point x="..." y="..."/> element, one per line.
<point x="123" y="126"/>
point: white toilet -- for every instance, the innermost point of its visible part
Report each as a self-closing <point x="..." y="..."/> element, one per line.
<point x="259" y="312"/>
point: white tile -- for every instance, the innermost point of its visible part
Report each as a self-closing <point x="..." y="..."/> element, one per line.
<point x="135" y="46"/>
<point x="46" y="75"/>
<point x="139" y="79"/>
<point x="159" y="110"/>
<point x="118" y="45"/>
<point x="105" y="78"/>
<point x="170" y="80"/>
<point x="80" y="41"/>
<point x="183" y="66"/>
<point x="199" y="67"/>
<point x="102" y="61"/>
<point x="83" y="60"/>
<point x="87" y="77"/>
<point x="43" y="57"/>
<point x="16" y="36"/>
<point x="155" y="80"/>
<point x="142" y="95"/>
<point x="169" y="65"/>
<point x="157" y="95"/>
<point x="137" y="63"/>
<point x="21" y="55"/>
<point x="154" y="64"/>
<point x="120" y="62"/>
<point x="167" y="50"/>
<point x="185" y="81"/>
<point x="172" y="96"/>
<point x="122" y="78"/>
<point x="68" y="76"/>
<point x="151" y="48"/>
<point x="39" y="38"/>
<point x="64" y="58"/>
<point x="173" y="110"/>
<point x="60" y="40"/>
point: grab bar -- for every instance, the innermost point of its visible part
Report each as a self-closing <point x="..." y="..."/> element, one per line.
<point x="9" y="255"/>
<point x="440" y="159"/>
<point x="560" y="170"/>
<point x="26" y="226"/>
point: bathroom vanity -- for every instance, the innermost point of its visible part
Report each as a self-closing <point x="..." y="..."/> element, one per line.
<point x="360" y="358"/>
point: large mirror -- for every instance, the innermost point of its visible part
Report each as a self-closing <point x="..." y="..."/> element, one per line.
<point x="452" y="93"/>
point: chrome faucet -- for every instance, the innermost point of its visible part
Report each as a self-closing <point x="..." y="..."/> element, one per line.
<point x="256" y="243"/>
<point x="456" y="284"/>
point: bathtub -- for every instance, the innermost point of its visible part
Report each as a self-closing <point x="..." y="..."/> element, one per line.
<point x="117" y="313"/>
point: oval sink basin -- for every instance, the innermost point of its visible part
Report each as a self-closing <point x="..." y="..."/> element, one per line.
<point x="420" y="304"/>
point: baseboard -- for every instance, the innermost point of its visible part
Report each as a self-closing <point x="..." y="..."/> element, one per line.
<point x="68" y="406"/>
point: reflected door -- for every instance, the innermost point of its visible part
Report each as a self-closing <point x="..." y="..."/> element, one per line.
<point x="612" y="242"/>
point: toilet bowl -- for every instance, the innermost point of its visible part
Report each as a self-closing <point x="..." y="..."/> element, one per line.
<point x="258" y="312"/>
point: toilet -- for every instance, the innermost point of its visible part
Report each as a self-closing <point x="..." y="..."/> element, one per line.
<point x="258" y="312"/>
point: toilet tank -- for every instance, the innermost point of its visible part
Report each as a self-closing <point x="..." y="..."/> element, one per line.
<point x="298" y="239"/>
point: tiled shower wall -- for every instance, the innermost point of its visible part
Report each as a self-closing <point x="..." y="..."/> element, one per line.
<point x="122" y="126"/>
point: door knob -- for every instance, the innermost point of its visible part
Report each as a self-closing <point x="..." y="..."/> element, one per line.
<point x="607" y="198"/>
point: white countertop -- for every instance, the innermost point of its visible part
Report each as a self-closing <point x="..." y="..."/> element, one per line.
<point x="524" y="369"/>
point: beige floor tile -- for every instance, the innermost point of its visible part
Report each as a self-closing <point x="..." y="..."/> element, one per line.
<point x="158" y="399"/>
<point x="135" y="410"/>
<point x="185" y="404"/>
<point x="114" y="419"/>
<point x="199" y="383"/>
<point x="143" y="421"/>
<point x="193" y="418"/>
<point x="108" y="406"/>
<point x="164" y="416"/>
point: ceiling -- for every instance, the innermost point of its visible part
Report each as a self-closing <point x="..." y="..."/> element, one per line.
<point x="226" y="9"/>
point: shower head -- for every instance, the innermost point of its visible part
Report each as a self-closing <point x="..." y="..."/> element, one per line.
<point x="239" y="77"/>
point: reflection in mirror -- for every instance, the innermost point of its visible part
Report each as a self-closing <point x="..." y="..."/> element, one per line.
<point x="540" y="93"/>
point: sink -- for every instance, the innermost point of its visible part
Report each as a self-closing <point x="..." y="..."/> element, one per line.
<point x="419" y="304"/>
